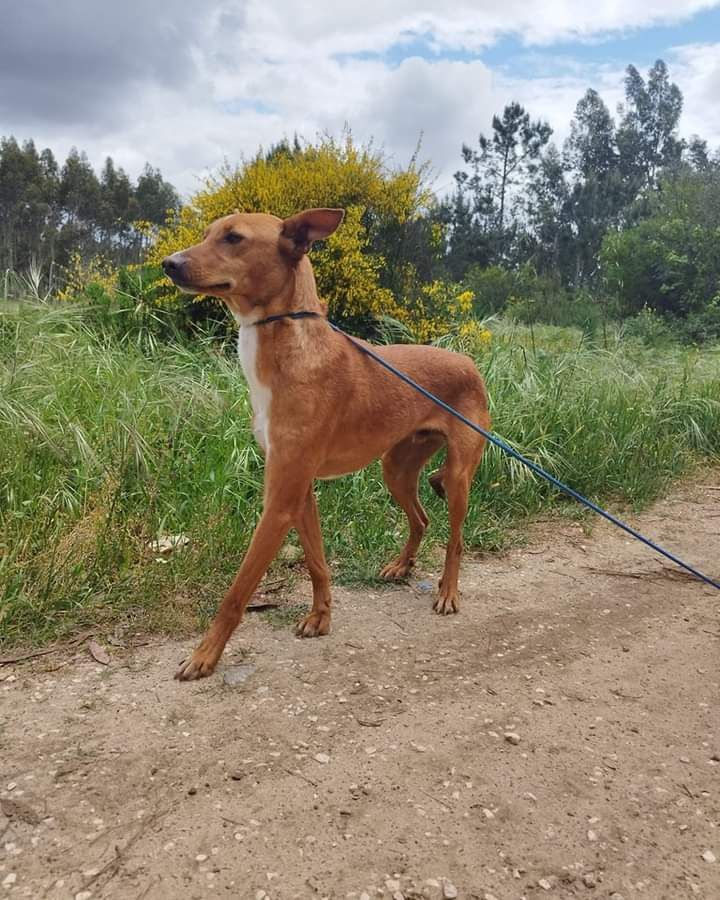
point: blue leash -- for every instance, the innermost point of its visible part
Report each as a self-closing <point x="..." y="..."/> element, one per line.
<point x="499" y="442"/>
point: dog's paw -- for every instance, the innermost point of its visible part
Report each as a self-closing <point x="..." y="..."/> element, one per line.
<point x="397" y="570"/>
<point x="199" y="665"/>
<point x="313" y="625"/>
<point x="447" y="602"/>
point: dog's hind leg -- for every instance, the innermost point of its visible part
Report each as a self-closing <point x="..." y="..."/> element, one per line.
<point x="401" y="469"/>
<point x="455" y="478"/>
<point x="317" y="622"/>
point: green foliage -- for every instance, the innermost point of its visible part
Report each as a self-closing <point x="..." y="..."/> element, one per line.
<point x="106" y="444"/>
<point x="492" y="287"/>
<point x="528" y="297"/>
<point x="669" y="262"/>
<point x="649" y="327"/>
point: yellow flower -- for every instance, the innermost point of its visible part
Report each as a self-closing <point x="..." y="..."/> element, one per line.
<point x="81" y="276"/>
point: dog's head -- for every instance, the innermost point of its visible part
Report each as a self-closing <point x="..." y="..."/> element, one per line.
<point x="247" y="259"/>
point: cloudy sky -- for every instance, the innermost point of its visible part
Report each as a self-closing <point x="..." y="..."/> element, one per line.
<point x="186" y="85"/>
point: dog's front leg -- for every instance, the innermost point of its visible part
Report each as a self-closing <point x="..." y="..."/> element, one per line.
<point x="285" y="496"/>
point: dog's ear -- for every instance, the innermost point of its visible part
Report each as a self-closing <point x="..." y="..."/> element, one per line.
<point x="312" y="225"/>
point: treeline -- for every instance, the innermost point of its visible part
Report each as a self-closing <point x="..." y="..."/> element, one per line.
<point x="49" y="211"/>
<point x="620" y="222"/>
<point x="625" y="215"/>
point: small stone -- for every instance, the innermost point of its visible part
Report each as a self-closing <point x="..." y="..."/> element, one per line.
<point x="449" y="890"/>
<point x="684" y="759"/>
<point x="512" y="737"/>
<point x="545" y="884"/>
<point x="709" y="856"/>
<point x="589" y="879"/>
<point x="398" y="895"/>
<point x="616" y="896"/>
<point x="424" y="586"/>
<point x="201" y="857"/>
<point x="9" y="879"/>
<point x="166" y="543"/>
<point x="260" y="895"/>
<point x="237" y="675"/>
<point x="321" y="758"/>
<point x="392" y="884"/>
<point x="592" y="835"/>
<point x="192" y="791"/>
<point x="487" y="896"/>
<point x="83" y="895"/>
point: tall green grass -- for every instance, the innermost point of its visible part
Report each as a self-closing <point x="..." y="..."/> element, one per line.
<point x="109" y="438"/>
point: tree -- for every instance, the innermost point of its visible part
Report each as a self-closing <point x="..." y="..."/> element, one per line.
<point x="497" y="171"/>
<point x="597" y="194"/>
<point x="550" y="217"/>
<point x="155" y="197"/>
<point x="26" y="196"/>
<point x="647" y="137"/>
<point x="117" y="207"/>
<point x="591" y="149"/>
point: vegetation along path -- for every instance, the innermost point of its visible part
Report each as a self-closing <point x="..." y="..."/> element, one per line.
<point x="559" y="738"/>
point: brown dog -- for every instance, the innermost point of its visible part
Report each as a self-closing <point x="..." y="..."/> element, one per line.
<point x="323" y="409"/>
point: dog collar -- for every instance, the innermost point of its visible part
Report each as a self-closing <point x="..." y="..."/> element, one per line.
<point x="301" y="314"/>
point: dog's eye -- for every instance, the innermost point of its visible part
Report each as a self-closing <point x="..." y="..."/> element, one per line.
<point x="232" y="237"/>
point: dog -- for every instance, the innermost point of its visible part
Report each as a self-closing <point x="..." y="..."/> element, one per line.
<point x="322" y="409"/>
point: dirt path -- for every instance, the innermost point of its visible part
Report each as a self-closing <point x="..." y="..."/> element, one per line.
<point x="377" y="762"/>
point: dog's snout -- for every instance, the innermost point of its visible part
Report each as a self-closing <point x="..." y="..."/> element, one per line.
<point x="174" y="265"/>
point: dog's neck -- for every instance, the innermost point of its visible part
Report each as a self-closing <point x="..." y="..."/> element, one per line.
<point x="299" y="293"/>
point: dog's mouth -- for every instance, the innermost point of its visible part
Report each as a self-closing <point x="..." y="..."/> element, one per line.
<point x="189" y="288"/>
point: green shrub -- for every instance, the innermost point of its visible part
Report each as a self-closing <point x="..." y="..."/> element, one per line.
<point x="650" y="328"/>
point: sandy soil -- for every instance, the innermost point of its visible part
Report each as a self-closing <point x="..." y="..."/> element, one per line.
<point x="558" y="738"/>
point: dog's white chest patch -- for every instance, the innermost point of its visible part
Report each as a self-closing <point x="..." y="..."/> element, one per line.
<point x="260" y="394"/>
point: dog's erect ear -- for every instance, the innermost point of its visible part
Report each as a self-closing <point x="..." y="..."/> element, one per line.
<point x="312" y="225"/>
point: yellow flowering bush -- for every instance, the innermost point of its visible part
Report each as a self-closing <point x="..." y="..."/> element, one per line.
<point x="436" y="310"/>
<point x="331" y="173"/>
<point x="86" y="279"/>
<point x="472" y="337"/>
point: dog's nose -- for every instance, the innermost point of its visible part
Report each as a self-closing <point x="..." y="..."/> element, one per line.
<point x="173" y="265"/>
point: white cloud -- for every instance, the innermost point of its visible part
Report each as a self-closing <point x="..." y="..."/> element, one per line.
<point x="253" y="72"/>
<point x="472" y="24"/>
<point x="696" y="68"/>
